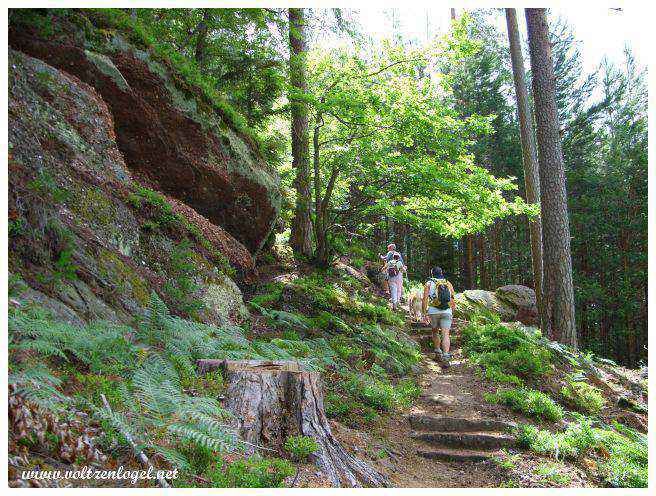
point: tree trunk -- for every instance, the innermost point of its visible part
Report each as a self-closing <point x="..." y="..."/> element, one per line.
<point x="482" y="255"/>
<point x="529" y="153"/>
<point x="301" y="231"/>
<point x="469" y="262"/>
<point x="497" y="256"/>
<point x="272" y="400"/>
<point x="558" y="289"/>
<point x="453" y="14"/>
<point x="323" y="252"/>
<point x="201" y="38"/>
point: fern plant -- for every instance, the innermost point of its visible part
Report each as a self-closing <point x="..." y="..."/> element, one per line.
<point x="38" y="385"/>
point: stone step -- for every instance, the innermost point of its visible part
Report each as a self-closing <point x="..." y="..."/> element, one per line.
<point x="456" y="455"/>
<point x="479" y="440"/>
<point x="420" y="422"/>
<point x="439" y="399"/>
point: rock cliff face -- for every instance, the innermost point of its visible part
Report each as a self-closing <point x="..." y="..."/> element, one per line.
<point x="169" y="135"/>
<point x="116" y="190"/>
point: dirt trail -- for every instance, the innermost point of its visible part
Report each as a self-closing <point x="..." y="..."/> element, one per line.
<point x="446" y="439"/>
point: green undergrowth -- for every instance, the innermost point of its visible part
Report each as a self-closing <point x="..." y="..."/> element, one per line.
<point x="268" y="297"/>
<point x="337" y="326"/>
<point x="553" y="473"/>
<point x="620" y="454"/>
<point x="249" y="472"/>
<point x="517" y="359"/>
<point x="341" y="294"/>
<point x="583" y="396"/>
<point x="529" y="402"/>
<point x="506" y="353"/>
<point x="300" y="447"/>
<point x="149" y="381"/>
<point x="146" y="373"/>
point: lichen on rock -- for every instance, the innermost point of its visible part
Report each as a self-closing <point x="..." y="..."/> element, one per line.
<point x="223" y="301"/>
<point x="83" y="248"/>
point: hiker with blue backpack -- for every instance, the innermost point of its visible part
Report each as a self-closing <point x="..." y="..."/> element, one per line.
<point x="439" y="304"/>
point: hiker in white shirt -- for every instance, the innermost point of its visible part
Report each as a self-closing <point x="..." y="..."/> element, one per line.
<point x="391" y="250"/>
<point x="394" y="270"/>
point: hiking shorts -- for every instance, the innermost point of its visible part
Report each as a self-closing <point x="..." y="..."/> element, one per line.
<point x="441" y="319"/>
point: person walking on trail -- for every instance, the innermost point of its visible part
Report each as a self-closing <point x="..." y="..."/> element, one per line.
<point x="439" y="304"/>
<point x="394" y="270"/>
<point x="391" y="250"/>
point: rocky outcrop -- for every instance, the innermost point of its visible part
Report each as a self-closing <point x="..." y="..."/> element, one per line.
<point x="512" y="303"/>
<point x="170" y="136"/>
<point x="87" y="239"/>
<point x="523" y="299"/>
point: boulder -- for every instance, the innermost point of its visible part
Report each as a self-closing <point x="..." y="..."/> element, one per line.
<point x="523" y="298"/>
<point x="517" y="295"/>
<point x="224" y="299"/>
<point x="82" y="242"/>
<point x="472" y="301"/>
<point x="169" y="133"/>
<point x="512" y="303"/>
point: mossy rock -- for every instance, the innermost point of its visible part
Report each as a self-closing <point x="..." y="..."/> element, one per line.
<point x="224" y="302"/>
<point x="473" y="301"/>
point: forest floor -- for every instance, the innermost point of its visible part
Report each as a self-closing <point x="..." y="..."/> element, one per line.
<point x="452" y="434"/>
<point x="455" y="393"/>
<point x="472" y="440"/>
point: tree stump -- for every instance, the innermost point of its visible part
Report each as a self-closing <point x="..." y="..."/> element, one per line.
<point x="273" y="399"/>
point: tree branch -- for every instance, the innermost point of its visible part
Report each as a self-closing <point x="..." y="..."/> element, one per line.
<point x="371" y="74"/>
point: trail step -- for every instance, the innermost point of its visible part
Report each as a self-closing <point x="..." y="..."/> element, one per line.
<point x="456" y="424"/>
<point x="456" y="455"/>
<point x="466" y="439"/>
<point x="438" y="399"/>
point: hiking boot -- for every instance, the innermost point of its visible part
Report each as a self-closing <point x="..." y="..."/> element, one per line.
<point x="438" y="356"/>
<point x="446" y="358"/>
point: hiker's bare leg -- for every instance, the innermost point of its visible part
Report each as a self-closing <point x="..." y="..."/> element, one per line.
<point x="436" y="339"/>
<point x="386" y="286"/>
<point x="394" y="287"/>
<point x="446" y="340"/>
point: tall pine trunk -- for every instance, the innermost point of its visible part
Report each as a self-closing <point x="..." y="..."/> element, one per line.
<point x="301" y="232"/>
<point x="482" y="259"/>
<point x="468" y="262"/>
<point x="558" y="289"/>
<point x="529" y="153"/>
